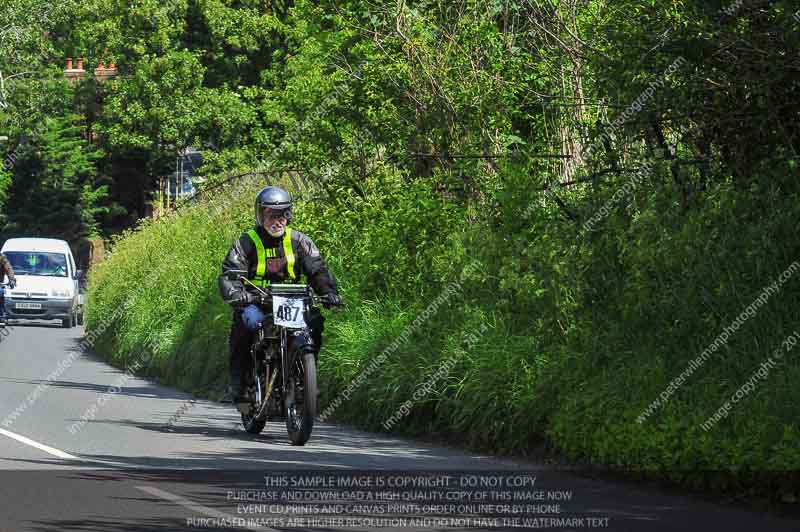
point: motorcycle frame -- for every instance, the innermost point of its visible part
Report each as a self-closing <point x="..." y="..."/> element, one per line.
<point x="287" y="358"/>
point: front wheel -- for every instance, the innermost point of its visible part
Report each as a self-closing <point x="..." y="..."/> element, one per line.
<point x="250" y="420"/>
<point x="301" y="399"/>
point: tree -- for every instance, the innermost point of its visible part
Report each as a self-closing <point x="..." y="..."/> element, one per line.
<point x="54" y="192"/>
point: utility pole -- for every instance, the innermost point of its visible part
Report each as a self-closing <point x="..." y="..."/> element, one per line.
<point x="180" y="159"/>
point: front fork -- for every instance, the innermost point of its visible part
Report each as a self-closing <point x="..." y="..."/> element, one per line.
<point x="302" y="338"/>
<point x="285" y="355"/>
<point x="289" y="353"/>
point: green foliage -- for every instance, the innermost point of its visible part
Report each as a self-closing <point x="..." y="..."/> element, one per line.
<point x="625" y="174"/>
<point x="5" y="182"/>
<point x="155" y="107"/>
<point x="570" y="369"/>
<point x="25" y="53"/>
<point x="55" y="192"/>
<point x="173" y="303"/>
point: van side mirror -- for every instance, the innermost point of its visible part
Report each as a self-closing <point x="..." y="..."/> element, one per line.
<point x="78" y="274"/>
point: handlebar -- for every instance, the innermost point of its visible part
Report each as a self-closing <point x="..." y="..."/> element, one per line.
<point x="287" y="290"/>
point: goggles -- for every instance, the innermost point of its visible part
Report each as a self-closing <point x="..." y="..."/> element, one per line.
<point x="272" y="214"/>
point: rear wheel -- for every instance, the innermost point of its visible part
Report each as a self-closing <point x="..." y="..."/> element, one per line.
<point x="67" y="322"/>
<point x="80" y="318"/>
<point x="301" y="399"/>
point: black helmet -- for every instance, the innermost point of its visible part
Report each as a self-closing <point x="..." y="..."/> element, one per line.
<point x="274" y="198"/>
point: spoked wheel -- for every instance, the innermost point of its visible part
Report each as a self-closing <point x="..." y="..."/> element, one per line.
<point x="250" y="420"/>
<point x="301" y="399"/>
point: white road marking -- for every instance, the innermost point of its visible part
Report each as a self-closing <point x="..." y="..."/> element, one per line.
<point x="284" y="462"/>
<point x="199" y="508"/>
<point x="40" y="446"/>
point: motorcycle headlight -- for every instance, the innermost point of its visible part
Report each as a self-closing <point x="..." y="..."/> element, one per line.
<point x="60" y="293"/>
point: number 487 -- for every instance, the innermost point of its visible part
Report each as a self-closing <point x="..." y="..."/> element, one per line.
<point x="285" y="312"/>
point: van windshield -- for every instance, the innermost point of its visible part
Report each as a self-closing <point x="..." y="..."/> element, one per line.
<point x="38" y="263"/>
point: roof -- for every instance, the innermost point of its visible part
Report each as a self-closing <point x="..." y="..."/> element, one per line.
<point x="47" y="245"/>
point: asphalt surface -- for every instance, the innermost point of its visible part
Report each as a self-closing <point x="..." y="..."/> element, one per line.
<point x="85" y="446"/>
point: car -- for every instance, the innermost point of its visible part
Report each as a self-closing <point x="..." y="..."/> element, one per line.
<point x="48" y="282"/>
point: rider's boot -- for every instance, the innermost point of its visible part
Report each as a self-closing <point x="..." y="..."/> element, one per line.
<point x="235" y="389"/>
<point x="239" y="353"/>
<point x="235" y="394"/>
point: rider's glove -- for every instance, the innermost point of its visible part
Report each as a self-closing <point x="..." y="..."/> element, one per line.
<point x="333" y="300"/>
<point x="246" y="299"/>
<point x="12" y="284"/>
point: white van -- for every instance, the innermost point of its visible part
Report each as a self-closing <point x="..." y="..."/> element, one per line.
<point x="47" y="281"/>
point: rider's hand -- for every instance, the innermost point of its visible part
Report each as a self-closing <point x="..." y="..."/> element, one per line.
<point x="333" y="300"/>
<point x="247" y="299"/>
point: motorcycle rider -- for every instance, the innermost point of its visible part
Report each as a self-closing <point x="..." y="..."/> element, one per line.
<point x="5" y="271"/>
<point x="271" y="252"/>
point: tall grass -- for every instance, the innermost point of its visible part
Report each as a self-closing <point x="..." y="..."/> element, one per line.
<point x="582" y="331"/>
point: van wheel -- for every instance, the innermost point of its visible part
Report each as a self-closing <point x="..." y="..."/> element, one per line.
<point x="66" y="323"/>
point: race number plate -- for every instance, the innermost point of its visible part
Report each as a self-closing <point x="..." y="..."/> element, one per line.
<point x="288" y="312"/>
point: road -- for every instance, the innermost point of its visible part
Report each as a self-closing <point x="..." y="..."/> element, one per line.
<point x="85" y="446"/>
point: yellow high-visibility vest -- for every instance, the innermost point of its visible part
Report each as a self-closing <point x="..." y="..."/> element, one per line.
<point x="263" y="253"/>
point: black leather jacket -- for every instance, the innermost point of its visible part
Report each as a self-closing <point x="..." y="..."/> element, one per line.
<point x="243" y="256"/>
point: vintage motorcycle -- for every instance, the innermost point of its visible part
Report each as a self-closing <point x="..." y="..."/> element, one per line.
<point x="281" y="381"/>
